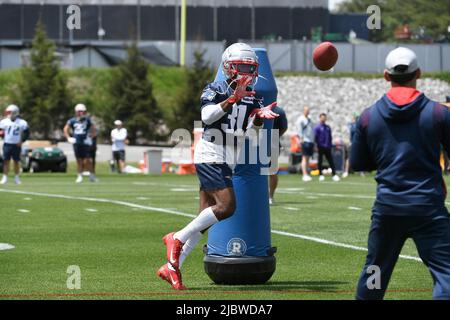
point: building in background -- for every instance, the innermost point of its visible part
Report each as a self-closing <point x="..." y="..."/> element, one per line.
<point x="289" y="29"/>
<point x="208" y="20"/>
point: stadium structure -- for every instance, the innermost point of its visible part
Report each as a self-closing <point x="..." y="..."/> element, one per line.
<point x="105" y="26"/>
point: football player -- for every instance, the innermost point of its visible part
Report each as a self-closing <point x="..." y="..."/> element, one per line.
<point x="15" y="132"/>
<point x="228" y="109"/>
<point x="83" y="130"/>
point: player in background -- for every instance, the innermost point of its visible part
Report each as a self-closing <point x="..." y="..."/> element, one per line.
<point x="323" y="138"/>
<point x="306" y="137"/>
<point x="83" y="130"/>
<point x="15" y="132"/>
<point x="400" y="136"/>
<point x="281" y="124"/>
<point x="119" y="139"/>
<point x="228" y="109"/>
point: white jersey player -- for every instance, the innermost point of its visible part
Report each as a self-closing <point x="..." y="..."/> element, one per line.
<point x="14" y="131"/>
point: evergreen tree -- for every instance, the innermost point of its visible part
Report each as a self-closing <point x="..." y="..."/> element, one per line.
<point x="188" y="109"/>
<point x="43" y="96"/>
<point x="134" y="103"/>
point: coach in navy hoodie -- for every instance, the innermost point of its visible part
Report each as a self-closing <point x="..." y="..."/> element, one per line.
<point x="400" y="137"/>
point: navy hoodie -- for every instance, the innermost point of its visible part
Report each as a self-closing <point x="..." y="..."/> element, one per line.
<point x="403" y="143"/>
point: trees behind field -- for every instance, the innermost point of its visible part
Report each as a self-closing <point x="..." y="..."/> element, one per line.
<point x="46" y="94"/>
<point x="188" y="109"/>
<point x="42" y="90"/>
<point x="132" y="100"/>
<point x="425" y="18"/>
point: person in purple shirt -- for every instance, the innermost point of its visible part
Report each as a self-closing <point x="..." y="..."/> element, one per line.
<point x="322" y="134"/>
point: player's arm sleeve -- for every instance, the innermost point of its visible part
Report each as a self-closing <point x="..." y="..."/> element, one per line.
<point x="211" y="113"/>
<point x="360" y="157"/>
<point x="211" y="110"/>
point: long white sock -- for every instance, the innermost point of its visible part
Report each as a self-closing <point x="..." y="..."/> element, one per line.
<point x="203" y="221"/>
<point x="189" y="246"/>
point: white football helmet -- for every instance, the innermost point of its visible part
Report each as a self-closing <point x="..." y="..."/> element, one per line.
<point x="238" y="60"/>
<point x="12" y="111"/>
<point x="80" y="108"/>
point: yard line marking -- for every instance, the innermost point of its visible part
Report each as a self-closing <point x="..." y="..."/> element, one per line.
<point x="183" y="190"/>
<point x="355" y="208"/>
<point x="122" y="203"/>
<point x="139" y="183"/>
<point x="336" y="195"/>
<point x="178" y="213"/>
<point x="91" y="210"/>
<point x="142" y="198"/>
<point x="291" y="208"/>
<point x="335" y="244"/>
<point x="27" y="199"/>
<point x="6" y="246"/>
<point x="23" y="210"/>
<point x="291" y="189"/>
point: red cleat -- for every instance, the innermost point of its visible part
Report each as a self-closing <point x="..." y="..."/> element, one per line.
<point x="174" y="247"/>
<point x="171" y="276"/>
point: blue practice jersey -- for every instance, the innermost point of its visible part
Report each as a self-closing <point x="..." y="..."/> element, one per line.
<point x="80" y="128"/>
<point x="235" y="121"/>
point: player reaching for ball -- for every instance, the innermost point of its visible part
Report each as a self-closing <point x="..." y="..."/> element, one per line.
<point x="228" y="108"/>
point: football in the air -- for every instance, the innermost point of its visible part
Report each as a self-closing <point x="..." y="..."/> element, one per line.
<point x="325" y="56"/>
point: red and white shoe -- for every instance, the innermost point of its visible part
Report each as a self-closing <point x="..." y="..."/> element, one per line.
<point x="172" y="276"/>
<point x="174" y="247"/>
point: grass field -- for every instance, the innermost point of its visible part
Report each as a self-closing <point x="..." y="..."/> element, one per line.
<point x="112" y="230"/>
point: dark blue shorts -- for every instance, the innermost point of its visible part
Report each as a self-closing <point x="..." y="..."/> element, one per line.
<point x="214" y="176"/>
<point x="82" y="151"/>
<point x="11" y="151"/>
<point x="307" y="149"/>
<point x="119" y="155"/>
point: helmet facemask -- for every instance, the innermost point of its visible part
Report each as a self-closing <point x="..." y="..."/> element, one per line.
<point x="236" y="70"/>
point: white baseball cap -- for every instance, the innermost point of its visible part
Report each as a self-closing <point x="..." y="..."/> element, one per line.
<point x="80" y="107"/>
<point x="401" y="57"/>
<point x="118" y="123"/>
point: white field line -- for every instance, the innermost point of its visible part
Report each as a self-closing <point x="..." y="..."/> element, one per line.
<point x="291" y="208"/>
<point x="178" y="213"/>
<point x="6" y="246"/>
<point x="23" y="210"/>
<point x="122" y="203"/>
<point x="335" y="244"/>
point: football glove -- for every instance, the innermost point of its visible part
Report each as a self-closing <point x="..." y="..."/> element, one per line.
<point x="265" y="112"/>
<point x="241" y="90"/>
